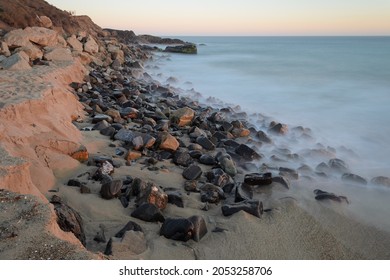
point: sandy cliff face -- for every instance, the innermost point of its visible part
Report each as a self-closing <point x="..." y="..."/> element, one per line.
<point x="36" y="132"/>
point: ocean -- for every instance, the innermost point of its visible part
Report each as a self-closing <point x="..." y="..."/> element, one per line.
<point x="339" y="87"/>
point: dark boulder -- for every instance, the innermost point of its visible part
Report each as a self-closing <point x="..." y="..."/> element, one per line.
<point x="381" y="181"/>
<point x="253" y="207"/>
<point x="129" y="226"/>
<point x="258" y="179"/>
<point x="205" y="143"/>
<point x="338" y="165"/>
<point x="177" y="229"/>
<point x="211" y="193"/>
<point x="322" y="195"/>
<point x="181" y="157"/>
<point x="192" y="172"/>
<point x="353" y="178"/>
<point x="184" y="49"/>
<point x="74" y="183"/>
<point x="281" y="180"/>
<point x="246" y="152"/>
<point x="149" y="213"/>
<point x="69" y="219"/>
<point x="218" y="177"/>
<point x="207" y="159"/>
<point x="175" y="198"/>
<point x="184" y="229"/>
<point x="111" y="189"/>
<point x="243" y="192"/>
<point x="263" y="137"/>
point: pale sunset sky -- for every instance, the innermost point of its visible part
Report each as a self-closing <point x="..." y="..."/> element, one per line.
<point x="241" y="17"/>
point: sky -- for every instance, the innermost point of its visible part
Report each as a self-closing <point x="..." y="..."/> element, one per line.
<point x="241" y="17"/>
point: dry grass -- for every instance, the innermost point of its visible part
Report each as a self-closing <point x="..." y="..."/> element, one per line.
<point x="23" y="13"/>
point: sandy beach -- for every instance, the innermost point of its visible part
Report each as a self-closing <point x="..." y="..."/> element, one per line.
<point x="68" y="120"/>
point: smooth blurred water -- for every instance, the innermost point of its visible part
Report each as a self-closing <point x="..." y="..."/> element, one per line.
<point x="337" y="86"/>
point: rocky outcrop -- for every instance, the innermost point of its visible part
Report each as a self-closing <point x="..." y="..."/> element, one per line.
<point x="183" y="49"/>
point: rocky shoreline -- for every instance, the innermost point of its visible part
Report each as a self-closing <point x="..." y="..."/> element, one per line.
<point x="139" y="171"/>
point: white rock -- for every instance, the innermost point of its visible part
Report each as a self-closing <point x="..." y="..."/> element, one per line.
<point x="45" y="21"/>
<point x="91" y="46"/>
<point x="74" y="43"/>
<point x="58" y="54"/>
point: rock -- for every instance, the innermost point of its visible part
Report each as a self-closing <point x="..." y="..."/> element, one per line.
<point x="240" y="132"/>
<point x="101" y="117"/>
<point x="168" y="142"/>
<point x="177" y="229"/>
<point x="148" y="213"/>
<point x="253" y="207"/>
<point x="81" y="154"/>
<point x="192" y="172"/>
<point x="108" y="131"/>
<point x="243" y="192"/>
<point x="16" y="62"/>
<point x="263" y="137"/>
<point x="228" y="165"/>
<point x="176" y="198"/>
<point x="74" y="183"/>
<point x="124" y="135"/>
<point x="45" y="21"/>
<point x="128" y="227"/>
<point x="281" y="180"/>
<point x="278" y="128"/>
<point x="181" y="157"/>
<point x="195" y="154"/>
<point x="353" y="178"/>
<point x="211" y="193"/>
<point x="34" y="53"/>
<point x="338" y="165"/>
<point x="191" y="186"/>
<point x="218" y="177"/>
<point x="381" y="181"/>
<point x="90" y="46"/>
<point x="183" y="116"/>
<point x="205" y="143"/>
<point x="207" y="159"/>
<point x="69" y="219"/>
<point x="112" y="189"/>
<point x="24" y="37"/>
<point x="289" y="173"/>
<point x="84" y="189"/>
<point x="321" y="195"/>
<point x="58" y="54"/>
<point x="75" y="44"/>
<point x="152" y="194"/>
<point x="132" y="243"/>
<point x="258" y="179"/>
<point x="101" y="125"/>
<point x="184" y="229"/>
<point x="102" y="172"/>
<point x="246" y="152"/>
<point x="184" y="49"/>
<point x="4" y="49"/>
<point x="133" y="155"/>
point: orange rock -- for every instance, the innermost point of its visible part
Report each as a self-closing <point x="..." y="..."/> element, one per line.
<point x="133" y="155"/>
<point x="168" y="142"/>
<point x="183" y="116"/>
<point x="81" y="154"/>
<point x="241" y="132"/>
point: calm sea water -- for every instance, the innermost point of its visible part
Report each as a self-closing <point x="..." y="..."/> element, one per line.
<point x="337" y="86"/>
